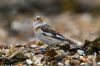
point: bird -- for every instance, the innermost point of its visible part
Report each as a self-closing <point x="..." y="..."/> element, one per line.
<point x="48" y="35"/>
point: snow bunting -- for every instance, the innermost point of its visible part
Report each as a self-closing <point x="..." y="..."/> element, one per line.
<point x="48" y="35"/>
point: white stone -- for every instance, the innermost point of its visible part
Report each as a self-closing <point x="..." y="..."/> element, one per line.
<point x="81" y="52"/>
<point x="29" y="61"/>
<point x="60" y="64"/>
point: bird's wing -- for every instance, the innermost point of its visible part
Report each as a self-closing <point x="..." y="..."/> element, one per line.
<point x="48" y="31"/>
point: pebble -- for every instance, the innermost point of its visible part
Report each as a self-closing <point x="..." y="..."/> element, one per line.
<point x="84" y="59"/>
<point x="37" y="58"/>
<point x="98" y="63"/>
<point x="34" y="46"/>
<point x="60" y="64"/>
<point x="28" y="61"/>
<point x="80" y="52"/>
<point x="74" y="62"/>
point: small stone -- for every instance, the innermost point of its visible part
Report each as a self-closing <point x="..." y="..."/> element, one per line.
<point x="60" y="64"/>
<point x="29" y="61"/>
<point x="98" y="63"/>
<point x="37" y="58"/>
<point x="50" y="52"/>
<point x="80" y="52"/>
<point x="34" y="46"/>
<point x="67" y="63"/>
<point x="60" y="52"/>
<point x="74" y="62"/>
<point x="85" y="64"/>
<point x="84" y="59"/>
<point x="40" y="64"/>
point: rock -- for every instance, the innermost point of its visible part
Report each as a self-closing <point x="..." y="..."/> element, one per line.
<point x="59" y="58"/>
<point x="34" y="46"/>
<point x="85" y="64"/>
<point x="84" y="59"/>
<point x="28" y="61"/>
<point x="74" y="62"/>
<point x="80" y="52"/>
<point x="37" y="58"/>
<point x="3" y="33"/>
<point x="98" y="63"/>
<point x="50" y="52"/>
<point x="67" y="63"/>
<point x="60" y="64"/>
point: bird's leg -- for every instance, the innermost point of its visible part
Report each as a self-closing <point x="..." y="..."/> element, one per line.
<point x="48" y="47"/>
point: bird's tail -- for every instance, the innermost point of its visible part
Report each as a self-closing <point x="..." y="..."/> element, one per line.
<point x="71" y="43"/>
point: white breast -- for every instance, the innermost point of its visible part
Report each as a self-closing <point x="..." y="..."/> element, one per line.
<point x="45" y="39"/>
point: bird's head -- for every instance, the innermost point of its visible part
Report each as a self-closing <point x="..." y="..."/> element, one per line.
<point x="39" y="21"/>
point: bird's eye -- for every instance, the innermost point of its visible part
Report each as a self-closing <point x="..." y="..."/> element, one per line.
<point x="39" y="19"/>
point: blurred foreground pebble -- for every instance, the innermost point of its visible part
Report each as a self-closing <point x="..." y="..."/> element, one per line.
<point x="34" y="53"/>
